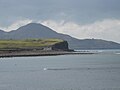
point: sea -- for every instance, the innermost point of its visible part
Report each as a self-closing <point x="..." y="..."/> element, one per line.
<point x="99" y="71"/>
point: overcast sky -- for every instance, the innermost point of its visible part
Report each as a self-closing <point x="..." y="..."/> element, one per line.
<point x="79" y="18"/>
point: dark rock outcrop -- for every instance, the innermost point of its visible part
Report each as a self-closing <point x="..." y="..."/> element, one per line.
<point x="61" y="46"/>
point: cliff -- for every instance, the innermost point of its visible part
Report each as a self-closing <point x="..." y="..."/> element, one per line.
<point x="61" y="46"/>
<point x="34" y="47"/>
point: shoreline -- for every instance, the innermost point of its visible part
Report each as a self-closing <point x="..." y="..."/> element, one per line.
<point x="8" y="54"/>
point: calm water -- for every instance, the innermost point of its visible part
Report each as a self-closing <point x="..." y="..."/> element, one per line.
<point x="67" y="72"/>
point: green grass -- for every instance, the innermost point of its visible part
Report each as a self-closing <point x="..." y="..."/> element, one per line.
<point x="28" y="43"/>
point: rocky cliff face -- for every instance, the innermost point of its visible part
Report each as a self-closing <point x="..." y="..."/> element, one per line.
<point x="61" y="46"/>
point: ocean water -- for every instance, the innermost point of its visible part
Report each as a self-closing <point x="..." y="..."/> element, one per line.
<point x="65" y="72"/>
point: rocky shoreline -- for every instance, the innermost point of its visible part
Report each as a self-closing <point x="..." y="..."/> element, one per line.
<point x="37" y="53"/>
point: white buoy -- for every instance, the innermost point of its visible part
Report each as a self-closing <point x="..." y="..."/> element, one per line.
<point x="45" y="69"/>
<point x="117" y="53"/>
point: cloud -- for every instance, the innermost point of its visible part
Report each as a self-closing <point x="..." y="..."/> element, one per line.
<point x="108" y="29"/>
<point x="16" y="25"/>
<point x="85" y="11"/>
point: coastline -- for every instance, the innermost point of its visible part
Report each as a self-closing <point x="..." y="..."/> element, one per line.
<point x="6" y="54"/>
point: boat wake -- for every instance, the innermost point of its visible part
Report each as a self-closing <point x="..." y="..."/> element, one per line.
<point x="84" y="68"/>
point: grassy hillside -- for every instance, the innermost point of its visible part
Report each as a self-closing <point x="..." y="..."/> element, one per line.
<point x="28" y="43"/>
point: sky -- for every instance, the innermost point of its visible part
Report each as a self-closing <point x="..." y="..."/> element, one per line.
<point x="82" y="19"/>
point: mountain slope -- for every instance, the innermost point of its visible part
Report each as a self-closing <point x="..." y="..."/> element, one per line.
<point x="2" y="34"/>
<point x="34" y="30"/>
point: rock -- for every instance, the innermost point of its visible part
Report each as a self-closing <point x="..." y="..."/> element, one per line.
<point x="61" y="46"/>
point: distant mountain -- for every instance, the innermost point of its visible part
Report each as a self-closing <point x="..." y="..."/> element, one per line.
<point x="2" y="34"/>
<point x="34" y="30"/>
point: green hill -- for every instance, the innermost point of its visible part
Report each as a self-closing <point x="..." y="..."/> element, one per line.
<point x="28" y="43"/>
